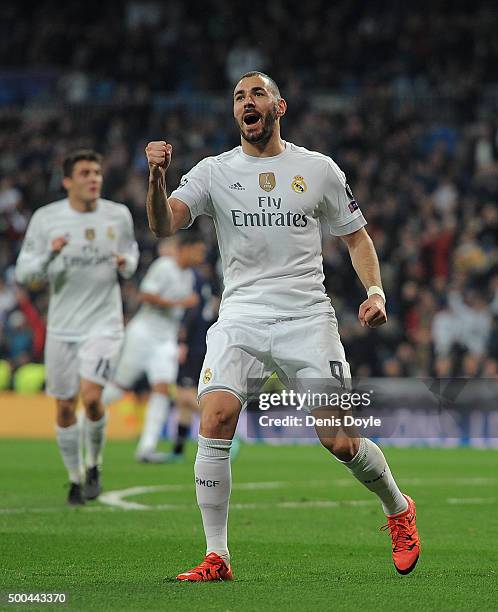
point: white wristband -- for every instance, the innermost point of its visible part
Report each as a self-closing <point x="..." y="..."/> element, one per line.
<point x="374" y="289"/>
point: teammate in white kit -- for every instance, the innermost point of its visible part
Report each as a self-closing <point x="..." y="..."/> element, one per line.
<point x="151" y="338"/>
<point x="268" y="199"/>
<point x="79" y="245"/>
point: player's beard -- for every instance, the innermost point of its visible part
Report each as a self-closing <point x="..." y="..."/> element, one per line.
<point x="266" y="132"/>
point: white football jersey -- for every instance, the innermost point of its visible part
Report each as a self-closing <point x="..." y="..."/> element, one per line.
<point x="268" y="214"/>
<point x="85" y="298"/>
<point x="166" y="279"/>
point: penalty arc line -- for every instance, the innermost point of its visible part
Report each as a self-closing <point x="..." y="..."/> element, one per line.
<point x="115" y="500"/>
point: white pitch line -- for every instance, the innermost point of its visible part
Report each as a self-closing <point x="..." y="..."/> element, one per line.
<point x="115" y="500"/>
<point x="294" y="505"/>
<point x="256" y="486"/>
<point x="470" y="501"/>
<point x="49" y="510"/>
<point x="471" y="480"/>
<point x="236" y="506"/>
<point x="454" y="501"/>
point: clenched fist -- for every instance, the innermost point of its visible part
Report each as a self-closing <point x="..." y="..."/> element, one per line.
<point x="58" y="244"/>
<point x="372" y="311"/>
<point x="159" y="157"/>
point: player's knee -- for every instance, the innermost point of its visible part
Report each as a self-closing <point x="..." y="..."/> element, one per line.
<point x="217" y="422"/>
<point x="342" y="447"/>
<point x="93" y="405"/>
<point x="219" y="415"/>
<point x="66" y="412"/>
<point x="161" y="387"/>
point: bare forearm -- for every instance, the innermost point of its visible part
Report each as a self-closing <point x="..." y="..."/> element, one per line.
<point x="159" y="213"/>
<point x="372" y="311"/>
<point x="365" y="261"/>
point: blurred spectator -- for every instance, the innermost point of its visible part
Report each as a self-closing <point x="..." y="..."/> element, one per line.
<point x="445" y="333"/>
<point x="242" y="58"/>
<point x="7" y="300"/>
<point x="35" y="323"/>
<point x="486" y="148"/>
<point x="18" y="339"/>
<point x="10" y="196"/>
<point x="472" y="320"/>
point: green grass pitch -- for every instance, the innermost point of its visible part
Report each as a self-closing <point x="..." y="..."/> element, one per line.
<point x="304" y="535"/>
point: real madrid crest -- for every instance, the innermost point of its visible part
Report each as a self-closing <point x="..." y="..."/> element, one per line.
<point x="89" y="233"/>
<point x="267" y="181"/>
<point x="208" y="375"/>
<point x="110" y="232"/>
<point x="298" y="184"/>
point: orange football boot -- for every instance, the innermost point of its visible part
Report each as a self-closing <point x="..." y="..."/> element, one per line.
<point x="406" y="543"/>
<point x="212" y="568"/>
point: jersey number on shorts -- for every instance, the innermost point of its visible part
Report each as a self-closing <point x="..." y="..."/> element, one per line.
<point x="337" y="371"/>
<point x="103" y="369"/>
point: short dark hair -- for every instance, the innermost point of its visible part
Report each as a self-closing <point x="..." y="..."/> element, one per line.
<point x="79" y="155"/>
<point x="188" y="237"/>
<point x="273" y="86"/>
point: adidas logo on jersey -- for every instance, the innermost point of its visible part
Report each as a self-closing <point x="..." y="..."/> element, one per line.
<point x="237" y="186"/>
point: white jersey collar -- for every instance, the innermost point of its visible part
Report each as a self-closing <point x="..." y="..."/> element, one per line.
<point x="265" y="160"/>
<point x="77" y="212"/>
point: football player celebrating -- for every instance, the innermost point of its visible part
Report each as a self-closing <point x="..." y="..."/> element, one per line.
<point x="268" y="199"/>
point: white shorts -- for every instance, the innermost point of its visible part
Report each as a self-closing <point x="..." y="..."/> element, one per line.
<point x="66" y="363"/>
<point x="299" y="348"/>
<point x="144" y="353"/>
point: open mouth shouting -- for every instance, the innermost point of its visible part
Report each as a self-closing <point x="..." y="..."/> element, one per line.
<point x="252" y="118"/>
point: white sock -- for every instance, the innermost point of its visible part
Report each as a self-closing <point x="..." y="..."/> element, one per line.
<point x="370" y="467"/>
<point x="156" y="414"/>
<point x="111" y="393"/>
<point x="68" y="440"/>
<point x="94" y="440"/>
<point x="213" y="483"/>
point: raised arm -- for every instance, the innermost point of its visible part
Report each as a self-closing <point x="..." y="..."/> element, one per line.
<point x="372" y="311"/>
<point x="165" y="215"/>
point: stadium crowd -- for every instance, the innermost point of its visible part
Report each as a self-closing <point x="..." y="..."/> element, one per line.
<point x="411" y="119"/>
